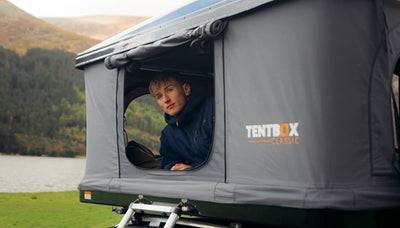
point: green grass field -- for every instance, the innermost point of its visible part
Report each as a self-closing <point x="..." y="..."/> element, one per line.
<point x="52" y="209"/>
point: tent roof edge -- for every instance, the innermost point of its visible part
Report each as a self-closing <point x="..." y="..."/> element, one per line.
<point x="137" y="36"/>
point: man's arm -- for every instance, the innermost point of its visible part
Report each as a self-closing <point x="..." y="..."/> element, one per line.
<point x="180" y="167"/>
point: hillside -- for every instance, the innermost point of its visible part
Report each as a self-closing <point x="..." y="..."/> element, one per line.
<point x="97" y="27"/>
<point x="21" y="31"/>
<point x="43" y="102"/>
<point x="42" y="99"/>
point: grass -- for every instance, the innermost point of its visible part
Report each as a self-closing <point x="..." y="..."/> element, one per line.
<point x="53" y="209"/>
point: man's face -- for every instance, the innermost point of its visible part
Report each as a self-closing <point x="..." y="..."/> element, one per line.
<point x="171" y="96"/>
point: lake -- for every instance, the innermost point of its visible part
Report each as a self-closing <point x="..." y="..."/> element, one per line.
<point x="40" y="174"/>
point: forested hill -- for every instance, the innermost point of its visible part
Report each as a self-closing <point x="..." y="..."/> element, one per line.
<point x="21" y="31"/>
<point x="42" y="99"/>
<point x="42" y="106"/>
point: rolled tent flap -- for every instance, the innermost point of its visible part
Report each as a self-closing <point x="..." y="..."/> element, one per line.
<point x="192" y="36"/>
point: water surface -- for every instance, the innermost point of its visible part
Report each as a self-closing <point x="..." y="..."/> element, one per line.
<point x="40" y="174"/>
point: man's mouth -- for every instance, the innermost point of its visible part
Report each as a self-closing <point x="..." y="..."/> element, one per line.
<point x="171" y="106"/>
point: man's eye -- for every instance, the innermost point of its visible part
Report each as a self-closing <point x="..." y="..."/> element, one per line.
<point x="158" y="97"/>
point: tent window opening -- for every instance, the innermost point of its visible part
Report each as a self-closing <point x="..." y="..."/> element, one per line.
<point x="169" y="109"/>
<point x="144" y="122"/>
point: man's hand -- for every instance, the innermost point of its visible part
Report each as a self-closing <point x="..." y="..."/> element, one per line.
<point x="180" y="166"/>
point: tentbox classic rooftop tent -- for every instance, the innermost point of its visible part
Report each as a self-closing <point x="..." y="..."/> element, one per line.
<point x="303" y="112"/>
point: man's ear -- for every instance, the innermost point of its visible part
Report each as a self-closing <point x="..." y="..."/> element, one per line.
<point x="187" y="89"/>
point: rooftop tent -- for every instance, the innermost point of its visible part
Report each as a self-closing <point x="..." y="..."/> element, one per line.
<point x="303" y="114"/>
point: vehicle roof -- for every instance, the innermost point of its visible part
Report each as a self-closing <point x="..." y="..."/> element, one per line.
<point x="188" y="16"/>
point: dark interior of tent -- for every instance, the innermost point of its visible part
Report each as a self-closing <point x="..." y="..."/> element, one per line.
<point x="193" y="64"/>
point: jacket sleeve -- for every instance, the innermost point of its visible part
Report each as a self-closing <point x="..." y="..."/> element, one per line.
<point x="168" y="157"/>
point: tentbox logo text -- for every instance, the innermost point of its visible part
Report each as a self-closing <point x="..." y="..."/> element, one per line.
<point x="282" y="133"/>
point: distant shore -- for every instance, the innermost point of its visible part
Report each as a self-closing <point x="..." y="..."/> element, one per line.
<point x="42" y="155"/>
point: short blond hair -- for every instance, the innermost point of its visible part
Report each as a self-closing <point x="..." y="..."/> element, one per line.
<point x="162" y="78"/>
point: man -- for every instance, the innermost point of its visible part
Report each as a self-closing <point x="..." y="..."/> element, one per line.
<point x="186" y="140"/>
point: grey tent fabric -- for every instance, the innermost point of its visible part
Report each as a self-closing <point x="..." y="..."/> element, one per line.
<point x="101" y="140"/>
<point x="193" y="36"/>
<point x="302" y="115"/>
<point x="308" y="74"/>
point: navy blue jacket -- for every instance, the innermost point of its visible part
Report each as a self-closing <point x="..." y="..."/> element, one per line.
<point x="187" y="138"/>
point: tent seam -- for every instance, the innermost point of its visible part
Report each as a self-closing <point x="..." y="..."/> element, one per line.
<point x="116" y="123"/>
<point x="225" y="108"/>
<point x="394" y="27"/>
<point x="374" y="65"/>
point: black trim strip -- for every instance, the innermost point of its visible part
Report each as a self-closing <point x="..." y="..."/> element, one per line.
<point x="260" y="214"/>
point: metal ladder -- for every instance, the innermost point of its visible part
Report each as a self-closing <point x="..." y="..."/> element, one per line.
<point x="144" y="210"/>
<point x="142" y="205"/>
<point x="134" y="207"/>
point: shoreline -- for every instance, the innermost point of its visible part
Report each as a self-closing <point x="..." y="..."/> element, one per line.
<point x="44" y="156"/>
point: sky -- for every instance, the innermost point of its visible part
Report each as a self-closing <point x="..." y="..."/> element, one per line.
<point x="74" y="8"/>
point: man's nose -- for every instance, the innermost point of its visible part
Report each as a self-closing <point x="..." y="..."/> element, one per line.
<point x="166" y="99"/>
